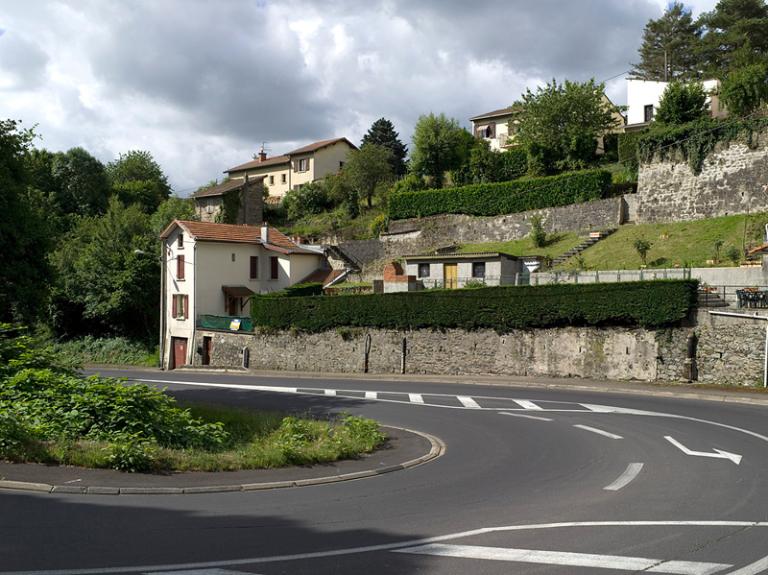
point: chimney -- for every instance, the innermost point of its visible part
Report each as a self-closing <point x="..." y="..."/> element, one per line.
<point x="265" y="233"/>
<point x="262" y="154"/>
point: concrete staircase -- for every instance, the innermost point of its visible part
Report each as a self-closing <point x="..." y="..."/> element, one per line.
<point x="588" y="242"/>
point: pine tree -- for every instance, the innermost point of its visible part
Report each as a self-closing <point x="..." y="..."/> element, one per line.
<point x="669" y="49"/>
<point x="382" y="133"/>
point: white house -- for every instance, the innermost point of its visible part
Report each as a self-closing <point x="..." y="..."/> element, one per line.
<point x="497" y="127"/>
<point x="456" y="270"/>
<point x="211" y="269"/>
<point x="643" y="97"/>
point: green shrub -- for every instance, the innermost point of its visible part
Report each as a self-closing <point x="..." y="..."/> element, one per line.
<point x="106" y="350"/>
<point x="503" y="198"/>
<point x="538" y="235"/>
<point x="628" y="152"/>
<point x="514" y="163"/>
<point x="133" y="454"/>
<point x="16" y="438"/>
<point x="378" y="225"/>
<point x="648" y="304"/>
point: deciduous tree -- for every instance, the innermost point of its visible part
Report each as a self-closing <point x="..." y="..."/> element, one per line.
<point x="137" y="178"/>
<point x="681" y="103"/>
<point x="367" y="169"/>
<point x="439" y="145"/>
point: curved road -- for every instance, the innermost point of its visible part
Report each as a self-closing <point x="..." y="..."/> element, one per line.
<point x="532" y="481"/>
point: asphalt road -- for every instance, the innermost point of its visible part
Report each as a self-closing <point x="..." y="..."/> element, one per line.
<point x="532" y="481"/>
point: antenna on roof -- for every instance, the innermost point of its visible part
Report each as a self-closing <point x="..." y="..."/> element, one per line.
<point x="262" y="155"/>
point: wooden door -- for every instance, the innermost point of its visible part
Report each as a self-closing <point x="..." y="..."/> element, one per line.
<point x="179" y="354"/>
<point x="451" y="275"/>
<point x="206" y="350"/>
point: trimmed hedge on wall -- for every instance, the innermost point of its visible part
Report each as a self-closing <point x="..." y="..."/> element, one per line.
<point x="646" y="304"/>
<point x="504" y="197"/>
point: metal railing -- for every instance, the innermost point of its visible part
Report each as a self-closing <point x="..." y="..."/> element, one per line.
<point x="460" y="282"/>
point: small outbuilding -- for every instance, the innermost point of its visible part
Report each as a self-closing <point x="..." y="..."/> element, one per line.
<point x="457" y="270"/>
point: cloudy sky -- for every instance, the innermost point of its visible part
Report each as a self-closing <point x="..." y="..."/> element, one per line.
<point x="201" y="84"/>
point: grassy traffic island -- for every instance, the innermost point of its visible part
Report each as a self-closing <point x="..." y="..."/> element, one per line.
<point x="50" y="414"/>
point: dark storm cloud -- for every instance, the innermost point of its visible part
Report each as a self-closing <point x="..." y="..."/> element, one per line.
<point x="22" y="62"/>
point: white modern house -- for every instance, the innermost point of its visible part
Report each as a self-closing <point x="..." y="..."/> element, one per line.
<point x="212" y="270"/>
<point x="455" y="270"/>
<point x="643" y="97"/>
<point x="497" y="127"/>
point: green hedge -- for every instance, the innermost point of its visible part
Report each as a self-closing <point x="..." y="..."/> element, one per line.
<point x="628" y="155"/>
<point x="647" y="304"/>
<point x="504" y="197"/>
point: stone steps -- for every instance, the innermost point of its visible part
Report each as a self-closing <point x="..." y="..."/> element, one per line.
<point x="588" y="242"/>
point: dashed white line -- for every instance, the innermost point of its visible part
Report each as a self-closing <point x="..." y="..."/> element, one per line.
<point x="568" y="559"/>
<point x="525" y="404"/>
<point x="200" y="572"/>
<point x="330" y="392"/>
<point x="371" y="395"/>
<point x="632" y="470"/>
<point x="598" y="431"/>
<point x="415" y="398"/>
<point x="526" y="416"/>
<point x="467" y="401"/>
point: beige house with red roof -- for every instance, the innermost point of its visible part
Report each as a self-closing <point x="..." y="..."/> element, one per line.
<point x="296" y="168"/>
<point x="211" y="270"/>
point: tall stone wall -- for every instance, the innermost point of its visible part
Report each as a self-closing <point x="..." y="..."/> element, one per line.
<point x="730" y="350"/>
<point x="733" y="180"/>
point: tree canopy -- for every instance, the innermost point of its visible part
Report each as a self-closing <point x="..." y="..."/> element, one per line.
<point x="80" y="182"/>
<point x="681" y="103"/>
<point x="137" y="178"/>
<point x="382" y="133"/>
<point x="439" y="145"/>
<point x="561" y="123"/>
<point x="734" y="31"/>
<point x="367" y="169"/>
<point x="669" y="48"/>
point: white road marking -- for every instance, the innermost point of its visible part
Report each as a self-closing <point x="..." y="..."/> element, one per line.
<point x="200" y="572"/>
<point x="632" y="470"/>
<point x="616" y="562"/>
<point x="759" y="566"/>
<point x="467" y="401"/>
<point x="330" y="392"/>
<point x="371" y="395"/>
<point x="525" y="404"/>
<point x="720" y="454"/>
<point x="536" y="417"/>
<point x="389" y="546"/>
<point x="415" y="398"/>
<point x="598" y="431"/>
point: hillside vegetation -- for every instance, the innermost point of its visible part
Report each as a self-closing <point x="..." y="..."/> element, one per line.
<point x="555" y="245"/>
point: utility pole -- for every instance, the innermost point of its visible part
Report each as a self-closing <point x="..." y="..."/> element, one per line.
<point x="666" y="67"/>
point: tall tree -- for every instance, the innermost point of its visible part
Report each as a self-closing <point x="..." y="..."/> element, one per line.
<point x="368" y="168"/>
<point x="561" y="124"/>
<point x="744" y="90"/>
<point x="23" y="237"/>
<point x="736" y="33"/>
<point x="81" y="182"/>
<point x="137" y="178"/>
<point x="669" y="49"/>
<point x="439" y="145"/>
<point x="382" y="133"/>
<point x="681" y="103"/>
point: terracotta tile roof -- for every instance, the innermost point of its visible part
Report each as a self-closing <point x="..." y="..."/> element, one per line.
<point x="221" y="189"/>
<point x="253" y="164"/>
<point x="208" y="231"/>
<point x="286" y="158"/>
<point x="323" y="275"/>
<point x="319" y="145"/>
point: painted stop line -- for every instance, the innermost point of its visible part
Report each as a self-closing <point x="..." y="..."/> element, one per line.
<point x="567" y="559"/>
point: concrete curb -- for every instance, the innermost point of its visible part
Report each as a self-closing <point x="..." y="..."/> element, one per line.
<point x="437" y="449"/>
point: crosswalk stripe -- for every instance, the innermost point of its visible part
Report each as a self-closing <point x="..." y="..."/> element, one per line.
<point x="536" y="417"/>
<point x="525" y="404"/>
<point x="415" y="398"/>
<point x="599" y="431"/>
<point x="330" y="392"/>
<point x="467" y="401"/>
<point x="371" y="395"/>
<point x="616" y="562"/>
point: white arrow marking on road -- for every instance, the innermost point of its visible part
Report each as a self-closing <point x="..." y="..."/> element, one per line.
<point x="633" y="469"/>
<point x="599" y="431"/>
<point x="719" y="455"/>
<point x="616" y="562"/>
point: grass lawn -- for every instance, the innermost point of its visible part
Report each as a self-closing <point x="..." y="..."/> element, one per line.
<point x="675" y="244"/>
<point x="556" y="245"/>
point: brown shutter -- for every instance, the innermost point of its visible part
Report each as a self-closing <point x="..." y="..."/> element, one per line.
<point x="173" y="306"/>
<point x="186" y="306"/>
<point x="180" y="267"/>
<point x="254" y="267"/>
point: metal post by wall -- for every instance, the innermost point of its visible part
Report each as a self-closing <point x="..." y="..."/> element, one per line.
<point x="367" y="352"/>
<point x="403" y="354"/>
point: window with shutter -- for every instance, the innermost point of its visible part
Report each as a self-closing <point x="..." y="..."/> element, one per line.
<point x="254" y="267"/>
<point x="186" y="306"/>
<point x="274" y="266"/>
<point x="180" y="267"/>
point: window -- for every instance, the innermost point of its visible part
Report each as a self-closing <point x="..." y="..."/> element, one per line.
<point x="282" y="179"/>
<point x="180" y="241"/>
<point x="273" y="267"/>
<point x="233" y="257"/>
<point x="180" y="308"/>
<point x="648" y="111"/>
<point x="254" y="267"/>
<point x="478" y="270"/>
<point x="423" y="270"/>
<point x="302" y="165"/>
<point x="341" y="165"/>
<point x="271" y="180"/>
<point x="180" y="267"/>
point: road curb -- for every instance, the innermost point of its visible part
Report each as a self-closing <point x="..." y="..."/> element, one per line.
<point x="437" y="449"/>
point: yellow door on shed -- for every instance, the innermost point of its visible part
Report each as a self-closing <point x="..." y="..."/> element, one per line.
<point x="451" y="275"/>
